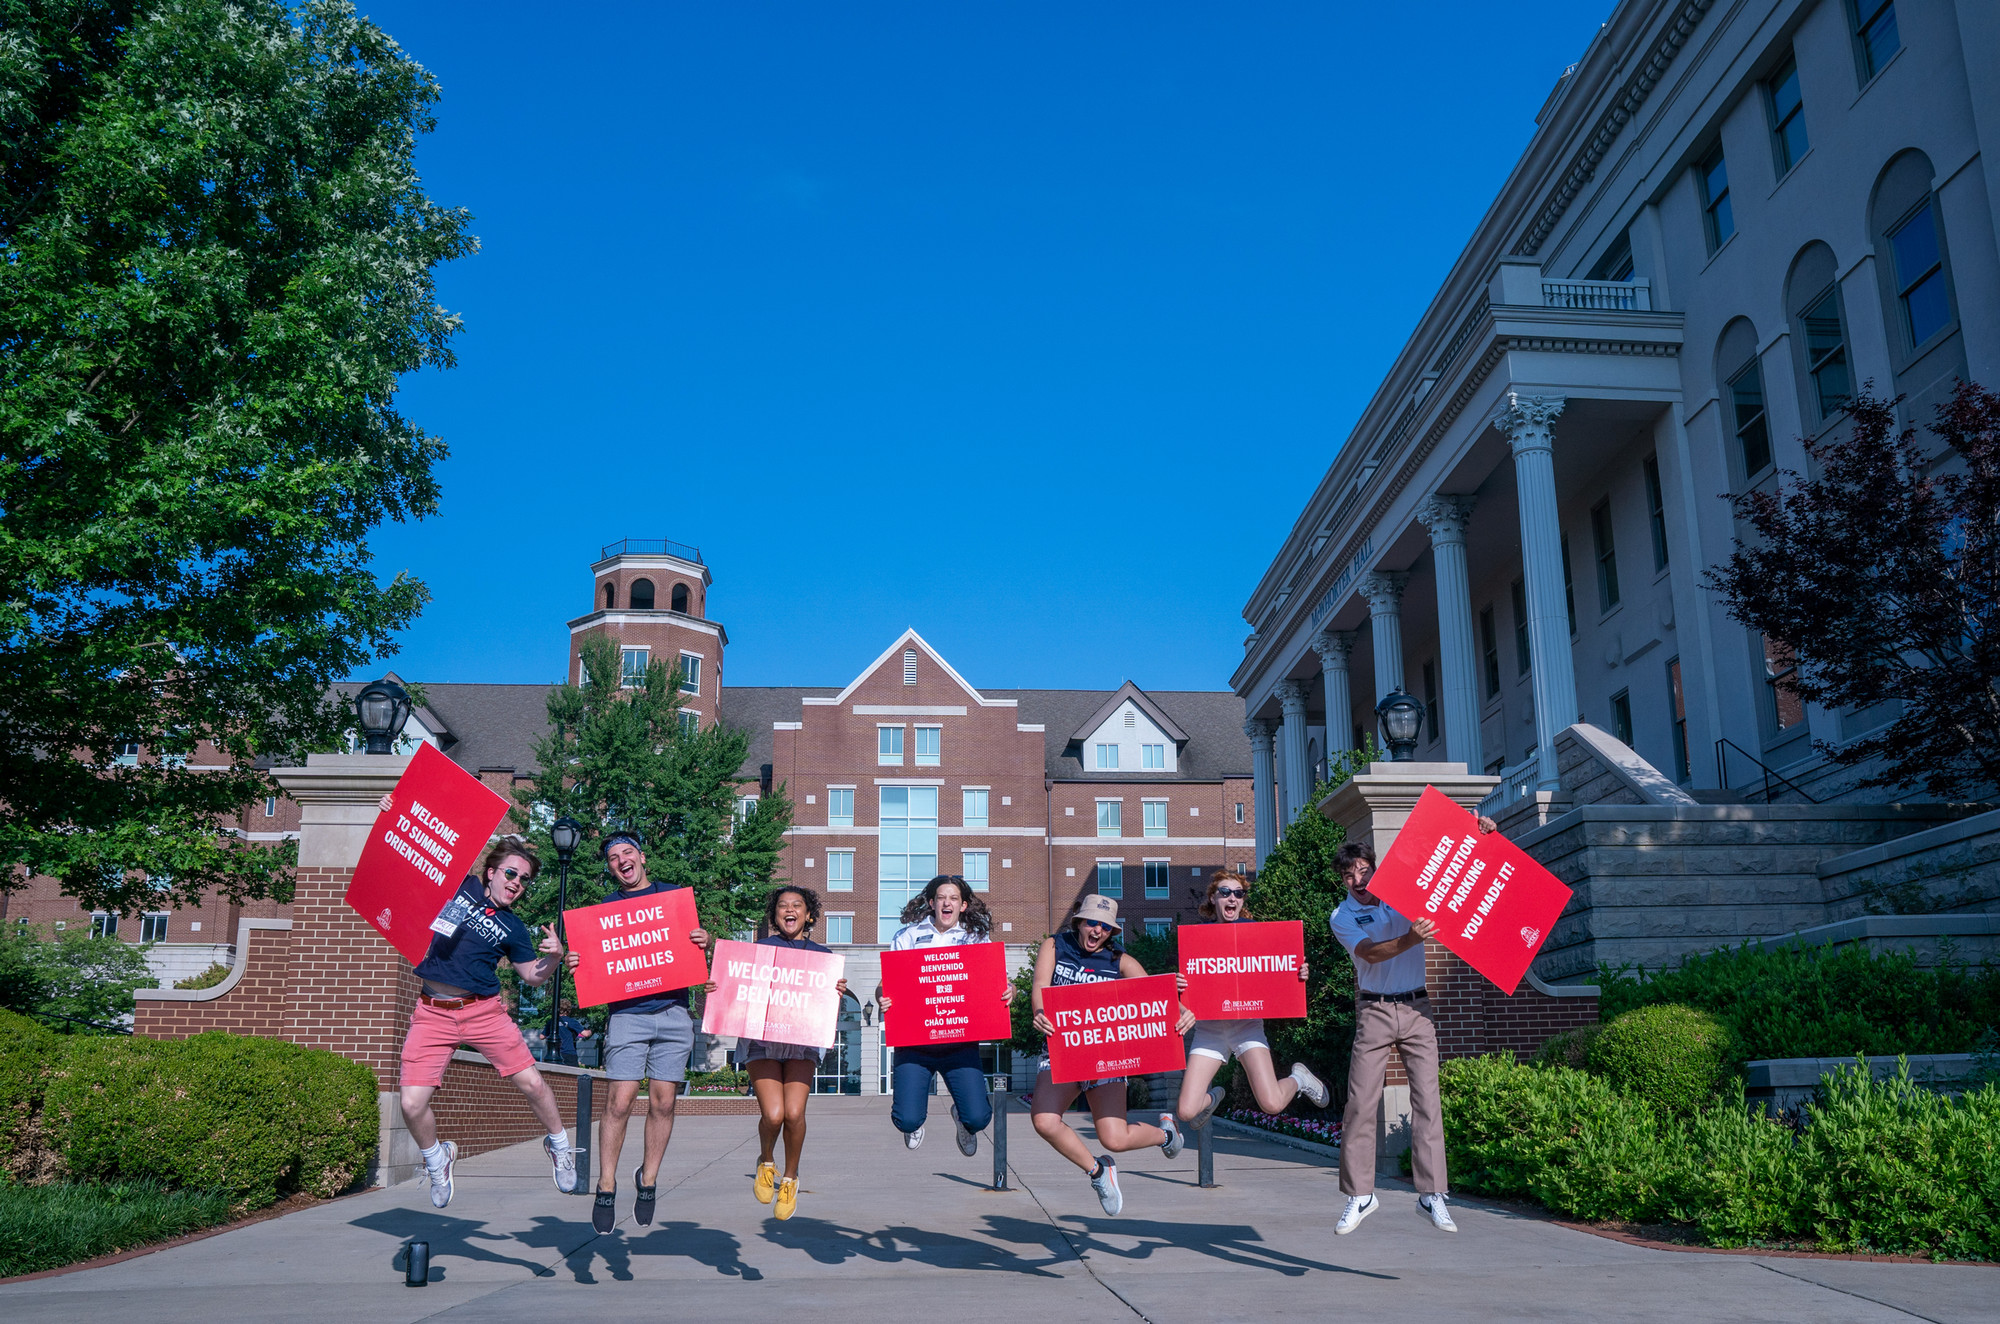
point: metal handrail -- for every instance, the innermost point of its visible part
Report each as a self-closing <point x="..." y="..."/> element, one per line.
<point x="650" y="547"/>
<point x="1722" y="771"/>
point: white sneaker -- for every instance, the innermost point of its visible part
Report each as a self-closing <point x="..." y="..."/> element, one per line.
<point x="1200" y="1119"/>
<point x="1105" y="1183"/>
<point x="1171" y="1146"/>
<point x="913" y="1139"/>
<point x="968" y="1141"/>
<point x="1440" y="1217"/>
<point x="441" y="1175"/>
<point x="564" y="1159"/>
<point x="1358" y="1208"/>
<point x="1310" y="1085"/>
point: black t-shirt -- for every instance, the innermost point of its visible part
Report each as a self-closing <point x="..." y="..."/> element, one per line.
<point x="1076" y="966"/>
<point x="467" y="958"/>
<point x="796" y="944"/>
<point x="651" y="1001"/>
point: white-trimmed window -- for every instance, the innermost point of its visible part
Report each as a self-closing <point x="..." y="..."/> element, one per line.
<point x="1153" y="758"/>
<point x="153" y="926"/>
<point x="103" y="924"/>
<point x="839" y="929"/>
<point x="745" y="806"/>
<point x="125" y="753"/>
<point x="973" y="869"/>
<point x="889" y="746"/>
<point x="907" y="856"/>
<point x="840" y="871"/>
<point x="690" y="722"/>
<point x="1239" y="811"/>
<point x="1111" y="878"/>
<point x="270" y="806"/>
<point x="1110" y="818"/>
<point x="632" y="664"/>
<point x="840" y="806"/>
<point x="690" y="673"/>
<point x="1158" y="928"/>
<point x="1156" y="880"/>
<point x="1107" y="758"/>
<point x="930" y="746"/>
<point x="975" y="807"/>
<point x="1155" y="812"/>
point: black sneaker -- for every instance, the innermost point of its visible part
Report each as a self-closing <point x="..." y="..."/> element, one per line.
<point x="642" y="1204"/>
<point x="604" y="1210"/>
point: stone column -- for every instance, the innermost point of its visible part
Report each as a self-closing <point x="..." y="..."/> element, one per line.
<point x="1529" y="424"/>
<point x="1445" y="517"/>
<point x="1334" y="647"/>
<point x="1259" y="732"/>
<point x="1298" y="767"/>
<point x="1384" y="591"/>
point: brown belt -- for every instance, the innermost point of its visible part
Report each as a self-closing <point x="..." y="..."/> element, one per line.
<point x="453" y="1004"/>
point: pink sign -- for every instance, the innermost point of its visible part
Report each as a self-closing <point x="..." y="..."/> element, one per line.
<point x="777" y="994"/>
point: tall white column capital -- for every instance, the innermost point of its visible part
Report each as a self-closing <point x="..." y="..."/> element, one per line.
<point x="1446" y="517"/>
<point x="1528" y="421"/>
<point x="1383" y="589"/>
<point x="1292" y="697"/>
<point x="1259" y="732"/>
<point x="1333" y="647"/>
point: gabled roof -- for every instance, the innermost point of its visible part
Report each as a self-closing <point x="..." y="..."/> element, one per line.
<point x="1139" y="700"/>
<point x="909" y="637"/>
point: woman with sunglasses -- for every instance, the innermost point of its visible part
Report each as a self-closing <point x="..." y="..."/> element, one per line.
<point x="781" y="1075"/>
<point x="1215" y="1042"/>
<point x="1087" y="951"/>
<point x="947" y="913"/>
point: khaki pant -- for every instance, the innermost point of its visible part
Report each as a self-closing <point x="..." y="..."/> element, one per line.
<point x="1378" y="1027"/>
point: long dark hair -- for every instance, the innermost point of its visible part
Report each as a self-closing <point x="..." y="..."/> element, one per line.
<point x="806" y="894"/>
<point x="1217" y="879"/>
<point x="976" y="918"/>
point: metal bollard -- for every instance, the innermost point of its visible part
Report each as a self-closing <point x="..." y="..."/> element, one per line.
<point x="998" y="1086"/>
<point x="1205" y="1156"/>
<point x="585" y="1184"/>
<point x="416" y="1263"/>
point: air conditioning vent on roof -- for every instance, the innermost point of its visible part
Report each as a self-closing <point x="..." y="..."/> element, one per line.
<point x="909" y="666"/>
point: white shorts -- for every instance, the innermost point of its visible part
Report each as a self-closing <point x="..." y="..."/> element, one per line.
<point x="1222" y="1040"/>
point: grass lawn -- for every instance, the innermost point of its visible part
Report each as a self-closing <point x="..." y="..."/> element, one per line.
<point x="46" y="1227"/>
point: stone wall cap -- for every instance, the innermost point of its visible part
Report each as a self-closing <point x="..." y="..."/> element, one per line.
<point x="1795" y="1072"/>
<point x="1915" y="843"/>
<point x="1887" y="926"/>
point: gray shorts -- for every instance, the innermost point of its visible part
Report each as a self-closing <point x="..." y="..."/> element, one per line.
<point x="649" y="1045"/>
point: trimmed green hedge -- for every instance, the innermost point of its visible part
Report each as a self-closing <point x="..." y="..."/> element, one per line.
<point x="1675" y="1058"/>
<point x="26" y="1053"/>
<point x="1880" y="1166"/>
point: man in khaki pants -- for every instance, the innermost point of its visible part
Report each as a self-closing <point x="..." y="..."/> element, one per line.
<point x="1392" y="1010"/>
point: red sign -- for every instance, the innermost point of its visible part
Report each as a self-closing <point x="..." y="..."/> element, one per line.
<point x="1116" y="1027"/>
<point x="632" y="946"/>
<point x="1492" y="904"/>
<point x="1236" y="971"/>
<point x="777" y="994"/>
<point x="439" y="820"/>
<point x="946" y="995"/>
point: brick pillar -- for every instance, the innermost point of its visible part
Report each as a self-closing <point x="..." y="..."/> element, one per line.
<point x="348" y="990"/>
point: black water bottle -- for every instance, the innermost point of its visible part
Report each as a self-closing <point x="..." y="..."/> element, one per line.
<point x="417" y="1263"/>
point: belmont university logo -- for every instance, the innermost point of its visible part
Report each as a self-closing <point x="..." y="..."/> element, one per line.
<point x="382" y="920"/>
<point x="1529" y="934"/>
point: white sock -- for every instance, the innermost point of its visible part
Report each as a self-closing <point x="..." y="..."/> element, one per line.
<point x="561" y="1138"/>
<point x="434" y="1156"/>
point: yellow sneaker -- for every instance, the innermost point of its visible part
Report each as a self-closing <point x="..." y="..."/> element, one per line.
<point x="767" y="1182"/>
<point x="788" y="1197"/>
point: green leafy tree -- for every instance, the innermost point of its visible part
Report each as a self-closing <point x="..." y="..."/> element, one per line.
<point x="621" y="758"/>
<point x="76" y="984"/>
<point x="215" y="264"/>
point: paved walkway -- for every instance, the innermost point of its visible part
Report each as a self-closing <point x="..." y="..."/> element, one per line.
<point x="883" y="1234"/>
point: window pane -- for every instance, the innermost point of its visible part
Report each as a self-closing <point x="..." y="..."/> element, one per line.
<point x="973" y="868"/>
<point x="1656" y="510"/>
<point x="1724" y="220"/>
<point x="1879" y="38"/>
<point x="1607" y="557"/>
<point x="1107" y="756"/>
<point x="1156" y="880"/>
<point x="975" y="809"/>
<point x="1927" y="308"/>
<point x="1785" y="90"/>
<point x="840" y="871"/>
<point x="1156" y="819"/>
<point x="1826" y="353"/>
<point x="1747" y="392"/>
<point x="632" y="668"/>
<point x="1159" y="928"/>
<point x="840" y="807"/>
<point x="690" y="674"/>
<point x="1788" y="710"/>
<point x="839" y="929"/>
<point x="889" y="744"/>
<point x="1715" y="177"/>
<point x="1109" y="814"/>
<point x="1153" y="756"/>
<point x="929" y="741"/>
<point x="1111" y="878"/>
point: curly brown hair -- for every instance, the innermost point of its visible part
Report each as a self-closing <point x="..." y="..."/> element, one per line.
<point x="976" y="918"/>
<point x="769" y="925"/>
<point x="1207" y="908"/>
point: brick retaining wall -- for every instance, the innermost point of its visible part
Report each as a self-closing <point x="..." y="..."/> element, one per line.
<point x="250" y="1000"/>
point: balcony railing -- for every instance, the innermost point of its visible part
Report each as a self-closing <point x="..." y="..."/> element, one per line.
<point x="1515" y="784"/>
<point x="1609" y="296"/>
<point x="651" y="547"/>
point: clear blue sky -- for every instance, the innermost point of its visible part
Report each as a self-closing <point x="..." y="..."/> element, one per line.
<point x="1031" y="326"/>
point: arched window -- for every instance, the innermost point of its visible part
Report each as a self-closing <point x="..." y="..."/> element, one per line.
<point x="1740" y="384"/>
<point x="610" y="596"/>
<point x="1812" y="298"/>
<point x="642" y="595"/>
<point x="680" y="598"/>
<point x="1916" y="271"/>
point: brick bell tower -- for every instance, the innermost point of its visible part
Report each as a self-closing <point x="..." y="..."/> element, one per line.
<point x="650" y="596"/>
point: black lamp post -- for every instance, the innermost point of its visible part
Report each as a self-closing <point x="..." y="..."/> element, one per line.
<point x="565" y="832"/>
<point x="1402" y="717"/>
<point x="382" y="708"/>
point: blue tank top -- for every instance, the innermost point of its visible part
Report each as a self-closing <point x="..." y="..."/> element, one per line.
<point x="1076" y="966"/>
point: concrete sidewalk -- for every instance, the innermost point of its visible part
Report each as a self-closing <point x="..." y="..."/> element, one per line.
<point x="882" y="1231"/>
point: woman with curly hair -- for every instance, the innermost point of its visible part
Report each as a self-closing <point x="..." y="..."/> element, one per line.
<point x="947" y="913"/>
<point x="781" y="1075"/>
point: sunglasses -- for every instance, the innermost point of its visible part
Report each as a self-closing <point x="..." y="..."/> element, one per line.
<point x="1099" y="924"/>
<point x="1230" y="891"/>
<point x="512" y="874"/>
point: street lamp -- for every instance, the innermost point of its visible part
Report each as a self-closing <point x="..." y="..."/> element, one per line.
<point x="565" y="833"/>
<point x="381" y="708"/>
<point x="1402" y="717"/>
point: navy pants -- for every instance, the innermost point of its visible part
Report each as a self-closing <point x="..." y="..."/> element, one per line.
<point x="959" y="1065"/>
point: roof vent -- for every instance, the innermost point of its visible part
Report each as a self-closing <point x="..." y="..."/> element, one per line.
<point x="909" y="666"/>
<point x="1131" y="718"/>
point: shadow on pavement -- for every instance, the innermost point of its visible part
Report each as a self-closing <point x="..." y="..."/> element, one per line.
<point x="717" y="1249"/>
<point x="830" y="1243"/>
<point x="446" y="1235"/>
<point x="1232" y="1244"/>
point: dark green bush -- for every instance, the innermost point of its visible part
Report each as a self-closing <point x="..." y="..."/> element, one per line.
<point x="255" y="1118"/>
<point x="1676" y="1058"/>
<point x="27" y="1052"/>
<point x="1797" y="1001"/>
<point x="45" y="1227"/>
<point x="208" y="978"/>
<point x="1569" y="1049"/>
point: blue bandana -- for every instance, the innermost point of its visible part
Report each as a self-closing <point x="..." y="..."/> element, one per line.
<point x="616" y="837"/>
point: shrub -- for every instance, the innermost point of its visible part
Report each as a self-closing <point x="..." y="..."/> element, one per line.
<point x="1569" y="1049"/>
<point x="76" y="984"/>
<point x="253" y="1118"/>
<point x="725" y="1081"/>
<point x="1513" y="1131"/>
<point x="208" y="978"/>
<point x="45" y="1227"/>
<point x="1675" y="1058"/>
<point x="1798" y="1001"/>
<point x="27" y="1052"/>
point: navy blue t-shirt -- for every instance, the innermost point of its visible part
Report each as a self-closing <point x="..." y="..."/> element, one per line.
<point x="796" y="944"/>
<point x="651" y="1001"/>
<point x="467" y="958"/>
<point x="1076" y="966"/>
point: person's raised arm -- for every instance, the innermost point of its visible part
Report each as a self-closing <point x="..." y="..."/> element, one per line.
<point x="1045" y="970"/>
<point x="537" y="972"/>
<point x="1377" y="952"/>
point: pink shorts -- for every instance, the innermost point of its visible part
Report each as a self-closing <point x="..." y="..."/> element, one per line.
<point x="484" y="1026"/>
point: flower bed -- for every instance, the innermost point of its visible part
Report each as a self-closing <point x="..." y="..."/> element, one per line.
<point x="1322" y="1133"/>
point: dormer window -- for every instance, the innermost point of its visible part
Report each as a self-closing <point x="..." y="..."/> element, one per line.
<point x="642" y="595"/>
<point x="679" y="600"/>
